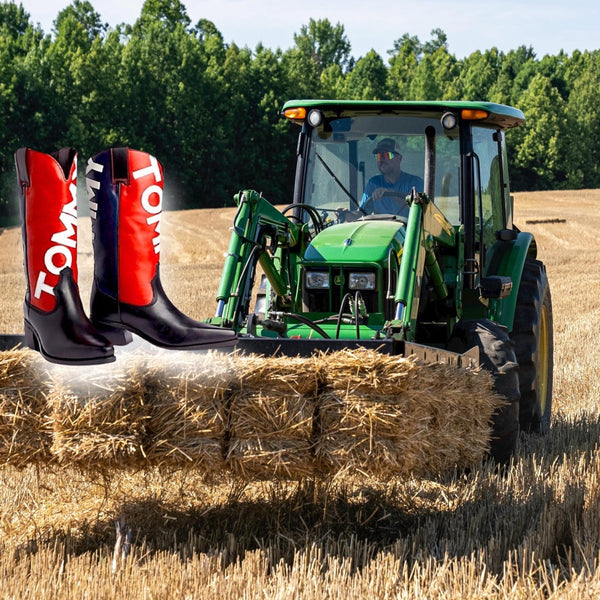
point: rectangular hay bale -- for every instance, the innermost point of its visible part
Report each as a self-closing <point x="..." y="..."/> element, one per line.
<point x="438" y="422"/>
<point x="269" y="416"/>
<point x="187" y="417"/>
<point x="99" y="421"/>
<point x="271" y="459"/>
<point x="383" y="437"/>
<point x="25" y="436"/>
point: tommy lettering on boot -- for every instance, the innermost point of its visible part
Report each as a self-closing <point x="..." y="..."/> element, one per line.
<point x="54" y="320"/>
<point x="61" y="254"/>
<point x="152" y="190"/>
<point x="92" y="186"/>
<point x="125" y="188"/>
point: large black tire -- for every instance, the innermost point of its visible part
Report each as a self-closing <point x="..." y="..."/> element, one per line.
<point x="533" y="337"/>
<point x="497" y="355"/>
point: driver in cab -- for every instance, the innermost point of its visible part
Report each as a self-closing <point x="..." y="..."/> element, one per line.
<point x="376" y="197"/>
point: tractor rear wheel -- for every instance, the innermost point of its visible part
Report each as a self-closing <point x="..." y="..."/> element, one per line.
<point x="496" y="355"/>
<point x="532" y="334"/>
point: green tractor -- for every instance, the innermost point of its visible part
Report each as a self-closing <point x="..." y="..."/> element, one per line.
<point x="399" y="237"/>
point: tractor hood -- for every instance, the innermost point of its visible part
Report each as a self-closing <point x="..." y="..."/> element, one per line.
<point x="360" y="241"/>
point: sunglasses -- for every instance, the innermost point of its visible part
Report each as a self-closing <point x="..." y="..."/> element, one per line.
<point x="386" y="156"/>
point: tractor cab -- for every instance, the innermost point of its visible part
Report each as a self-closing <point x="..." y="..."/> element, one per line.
<point x="454" y="152"/>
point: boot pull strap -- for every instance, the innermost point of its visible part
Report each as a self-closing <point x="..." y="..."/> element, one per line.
<point x="65" y="157"/>
<point x="21" y="165"/>
<point x="120" y="165"/>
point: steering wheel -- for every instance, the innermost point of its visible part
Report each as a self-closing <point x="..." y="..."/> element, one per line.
<point x="369" y="204"/>
<point x="313" y="215"/>
<point x="347" y="215"/>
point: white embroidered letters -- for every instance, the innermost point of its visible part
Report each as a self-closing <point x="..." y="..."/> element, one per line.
<point x="151" y="198"/>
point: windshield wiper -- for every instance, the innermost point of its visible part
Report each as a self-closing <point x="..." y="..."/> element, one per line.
<point x="340" y="184"/>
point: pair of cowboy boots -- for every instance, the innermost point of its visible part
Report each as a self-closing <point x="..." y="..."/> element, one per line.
<point x="125" y="194"/>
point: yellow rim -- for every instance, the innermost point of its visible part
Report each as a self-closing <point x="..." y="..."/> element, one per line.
<point x="544" y="353"/>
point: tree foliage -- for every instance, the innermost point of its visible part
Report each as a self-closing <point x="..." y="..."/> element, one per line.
<point x="209" y="110"/>
<point x="324" y="43"/>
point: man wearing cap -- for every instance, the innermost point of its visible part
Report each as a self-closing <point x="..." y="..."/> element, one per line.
<point x="392" y="178"/>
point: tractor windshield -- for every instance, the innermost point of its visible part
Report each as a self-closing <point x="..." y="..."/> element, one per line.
<point x="367" y="164"/>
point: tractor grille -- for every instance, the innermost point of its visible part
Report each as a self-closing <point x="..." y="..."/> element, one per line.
<point x="337" y="282"/>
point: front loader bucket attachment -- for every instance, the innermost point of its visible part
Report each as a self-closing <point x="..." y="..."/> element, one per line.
<point x="430" y="354"/>
<point x="306" y="347"/>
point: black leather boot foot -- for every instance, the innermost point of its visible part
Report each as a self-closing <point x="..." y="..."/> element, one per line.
<point x="159" y="322"/>
<point x="65" y="335"/>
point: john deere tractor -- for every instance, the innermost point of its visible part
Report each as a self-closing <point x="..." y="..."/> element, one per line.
<point x="437" y="269"/>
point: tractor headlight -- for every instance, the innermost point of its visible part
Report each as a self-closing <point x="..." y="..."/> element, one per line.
<point x="315" y="118"/>
<point x="449" y="120"/>
<point x="362" y="281"/>
<point x="317" y="280"/>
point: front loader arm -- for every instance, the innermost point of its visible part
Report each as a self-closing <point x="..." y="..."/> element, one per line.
<point x="258" y="230"/>
<point x="425" y="227"/>
<point x="409" y="267"/>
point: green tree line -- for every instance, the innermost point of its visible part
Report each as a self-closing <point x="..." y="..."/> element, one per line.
<point x="210" y="110"/>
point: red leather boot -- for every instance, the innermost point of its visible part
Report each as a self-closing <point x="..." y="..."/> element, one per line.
<point x="125" y="190"/>
<point x="55" y="322"/>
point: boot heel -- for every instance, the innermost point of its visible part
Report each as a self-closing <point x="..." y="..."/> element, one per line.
<point x="30" y="338"/>
<point x="115" y="335"/>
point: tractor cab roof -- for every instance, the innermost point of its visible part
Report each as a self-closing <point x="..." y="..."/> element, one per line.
<point x="485" y="113"/>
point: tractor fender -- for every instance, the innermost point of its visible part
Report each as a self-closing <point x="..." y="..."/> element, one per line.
<point x="507" y="258"/>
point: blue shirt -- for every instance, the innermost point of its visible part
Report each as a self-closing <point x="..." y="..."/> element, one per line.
<point x="390" y="205"/>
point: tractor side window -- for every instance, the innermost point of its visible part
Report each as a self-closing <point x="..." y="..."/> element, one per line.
<point x="488" y="181"/>
<point x="505" y="176"/>
<point x="447" y="177"/>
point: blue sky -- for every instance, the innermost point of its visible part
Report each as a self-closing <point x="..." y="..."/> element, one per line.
<point x="548" y="26"/>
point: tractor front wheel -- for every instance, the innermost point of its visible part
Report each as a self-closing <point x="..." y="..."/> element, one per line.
<point x="496" y="355"/>
<point x="532" y="334"/>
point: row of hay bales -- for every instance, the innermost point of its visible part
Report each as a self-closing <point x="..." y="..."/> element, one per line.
<point x="277" y="417"/>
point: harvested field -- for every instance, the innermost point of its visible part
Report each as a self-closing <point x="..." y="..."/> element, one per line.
<point x="531" y="532"/>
